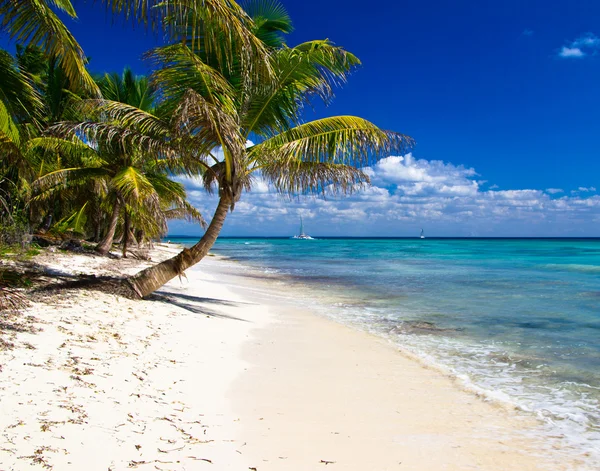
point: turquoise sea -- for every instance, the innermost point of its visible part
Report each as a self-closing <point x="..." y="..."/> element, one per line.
<point x="516" y="319"/>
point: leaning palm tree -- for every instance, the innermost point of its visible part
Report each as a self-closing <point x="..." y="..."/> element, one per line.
<point x="206" y="106"/>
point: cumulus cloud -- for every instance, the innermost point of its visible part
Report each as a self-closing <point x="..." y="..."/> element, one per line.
<point x="571" y="52"/>
<point x="587" y="40"/>
<point x="406" y="194"/>
<point x="582" y="46"/>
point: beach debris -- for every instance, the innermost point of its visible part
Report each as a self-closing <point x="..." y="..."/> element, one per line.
<point x="326" y="462"/>
<point x="169" y="451"/>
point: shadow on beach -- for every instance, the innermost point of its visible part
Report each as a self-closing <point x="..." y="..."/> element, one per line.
<point x="196" y="304"/>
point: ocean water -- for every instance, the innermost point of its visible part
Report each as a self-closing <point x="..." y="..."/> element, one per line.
<point x="516" y="319"/>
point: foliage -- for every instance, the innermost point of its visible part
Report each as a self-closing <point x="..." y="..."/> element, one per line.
<point x="95" y="157"/>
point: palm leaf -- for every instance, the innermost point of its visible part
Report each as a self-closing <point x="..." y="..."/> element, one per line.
<point x="17" y="91"/>
<point x="220" y="27"/>
<point x="8" y="128"/>
<point x="313" y="177"/>
<point x="34" y="22"/>
<point x="132" y="185"/>
<point x="344" y="140"/>
<point x="270" y="20"/>
<point x="185" y="211"/>
<point x="73" y="150"/>
<point x="179" y="70"/>
<point x="47" y="184"/>
<point x="125" y="115"/>
<point x="307" y="70"/>
<point x="75" y="222"/>
<point x="115" y="135"/>
<point x="205" y="126"/>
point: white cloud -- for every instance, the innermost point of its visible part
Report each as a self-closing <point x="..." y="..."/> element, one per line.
<point x="581" y="46"/>
<point x="571" y="52"/>
<point x="586" y="190"/>
<point x="407" y="194"/>
<point x="587" y="40"/>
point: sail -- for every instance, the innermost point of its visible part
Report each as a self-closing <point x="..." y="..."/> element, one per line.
<point x="302" y="235"/>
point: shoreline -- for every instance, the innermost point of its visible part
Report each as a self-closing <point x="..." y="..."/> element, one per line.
<point x="233" y="374"/>
<point x="523" y="443"/>
<point x="563" y="426"/>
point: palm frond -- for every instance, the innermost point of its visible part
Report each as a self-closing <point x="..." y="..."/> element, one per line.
<point x="44" y="186"/>
<point x="344" y="140"/>
<point x="314" y="177"/>
<point x="132" y="185"/>
<point x="128" y="88"/>
<point x="270" y="18"/>
<point x="17" y="91"/>
<point x="125" y="115"/>
<point x="74" y="222"/>
<point x="73" y="150"/>
<point x="309" y="69"/>
<point x="115" y="135"/>
<point x="8" y="128"/>
<point x="185" y="211"/>
<point x="220" y="27"/>
<point x="205" y="126"/>
<point x="167" y="189"/>
<point x="34" y="22"/>
<point x="178" y="70"/>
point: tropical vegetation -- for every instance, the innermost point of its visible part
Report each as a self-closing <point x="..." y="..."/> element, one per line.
<point x="96" y="157"/>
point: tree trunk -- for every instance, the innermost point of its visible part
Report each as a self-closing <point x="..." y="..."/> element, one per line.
<point x="126" y="234"/>
<point x="149" y="280"/>
<point x="105" y="244"/>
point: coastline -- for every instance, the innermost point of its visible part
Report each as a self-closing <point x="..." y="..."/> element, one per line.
<point x="223" y="371"/>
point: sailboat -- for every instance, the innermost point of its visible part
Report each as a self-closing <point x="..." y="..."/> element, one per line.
<point x="302" y="235"/>
<point x="422" y="234"/>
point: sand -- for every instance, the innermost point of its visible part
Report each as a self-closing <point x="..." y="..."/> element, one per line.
<point x="225" y="372"/>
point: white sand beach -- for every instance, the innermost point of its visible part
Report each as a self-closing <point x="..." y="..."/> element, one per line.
<point x="221" y="371"/>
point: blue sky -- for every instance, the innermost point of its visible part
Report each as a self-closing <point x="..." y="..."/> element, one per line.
<point x="501" y="97"/>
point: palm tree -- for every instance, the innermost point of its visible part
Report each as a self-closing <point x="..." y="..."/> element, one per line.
<point x="133" y="188"/>
<point x="211" y="106"/>
<point x="35" y="94"/>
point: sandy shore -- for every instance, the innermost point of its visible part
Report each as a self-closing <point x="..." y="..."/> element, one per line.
<point x="220" y="371"/>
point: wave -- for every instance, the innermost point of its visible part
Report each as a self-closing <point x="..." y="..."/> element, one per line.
<point x="571" y="267"/>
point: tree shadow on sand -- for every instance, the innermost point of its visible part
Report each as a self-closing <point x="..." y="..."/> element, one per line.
<point x="196" y="304"/>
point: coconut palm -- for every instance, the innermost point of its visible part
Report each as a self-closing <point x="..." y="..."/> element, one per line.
<point x="130" y="186"/>
<point x="35" y="94"/>
<point x="213" y="107"/>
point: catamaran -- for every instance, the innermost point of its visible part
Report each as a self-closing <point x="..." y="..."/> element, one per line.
<point x="302" y="235"/>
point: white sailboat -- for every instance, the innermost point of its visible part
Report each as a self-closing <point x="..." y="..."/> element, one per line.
<point x="422" y="234"/>
<point x="302" y="235"/>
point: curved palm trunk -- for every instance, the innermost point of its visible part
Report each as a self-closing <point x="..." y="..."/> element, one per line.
<point x="126" y="234"/>
<point x="105" y="244"/>
<point x="149" y="280"/>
